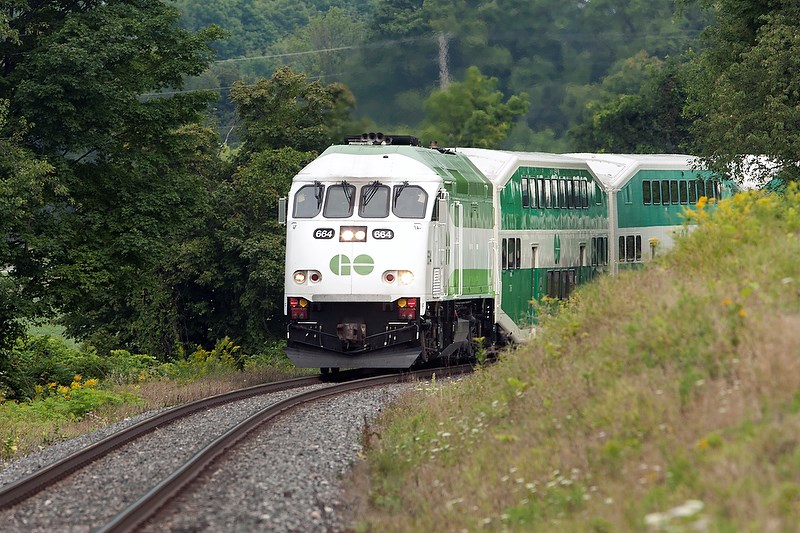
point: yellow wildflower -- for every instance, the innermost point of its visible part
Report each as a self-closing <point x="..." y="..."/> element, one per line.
<point x="727" y="301"/>
<point x="742" y="312"/>
<point x="90" y="382"/>
<point x="77" y="378"/>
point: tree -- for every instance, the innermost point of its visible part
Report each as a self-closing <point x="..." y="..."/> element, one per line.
<point x="745" y="90"/>
<point x="232" y="273"/>
<point x="472" y="113"/>
<point x="82" y="81"/>
<point x="322" y="47"/>
<point x="639" y="110"/>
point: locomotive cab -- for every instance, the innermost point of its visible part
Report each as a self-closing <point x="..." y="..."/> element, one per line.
<point x="356" y="259"/>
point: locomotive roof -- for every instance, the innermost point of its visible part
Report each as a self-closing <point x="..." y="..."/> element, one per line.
<point x="399" y="162"/>
<point x="500" y="165"/>
<point x="615" y="170"/>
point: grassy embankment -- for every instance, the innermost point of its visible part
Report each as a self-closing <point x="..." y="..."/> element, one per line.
<point x="665" y="399"/>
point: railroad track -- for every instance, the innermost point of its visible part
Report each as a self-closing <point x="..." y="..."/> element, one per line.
<point x="26" y="487"/>
<point x="159" y="496"/>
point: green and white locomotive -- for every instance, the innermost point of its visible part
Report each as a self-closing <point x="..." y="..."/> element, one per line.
<point x="389" y="255"/>
<point x="398" y="254"/>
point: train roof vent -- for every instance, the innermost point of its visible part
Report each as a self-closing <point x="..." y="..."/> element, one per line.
<point x="381" y="139"/>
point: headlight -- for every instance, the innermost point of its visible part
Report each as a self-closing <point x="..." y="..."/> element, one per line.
<point x="406" y="277"/>
<point x="352" y="234"/>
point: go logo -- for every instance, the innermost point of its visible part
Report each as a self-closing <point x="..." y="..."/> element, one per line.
<point x="342" y="266"/>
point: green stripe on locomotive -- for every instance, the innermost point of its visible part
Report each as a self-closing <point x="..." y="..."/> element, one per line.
<point x="476" y="282"/>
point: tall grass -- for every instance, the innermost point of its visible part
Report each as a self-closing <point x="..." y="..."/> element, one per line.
<point x="664" y="399"/>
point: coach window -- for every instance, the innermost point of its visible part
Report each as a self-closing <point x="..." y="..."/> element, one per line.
<point x="647" y="198"/>
<point x="716" y="189"/>
<point x="638" y="247"/>
<point x="518" y="255"/>
<point x="604" y="250"/>
<point x="339" y="201"/>
<point x="665" y="192"/>
<point x="674" y="191"/>
<point x="308" y="200"/>
<point x="504" y="257"/>
<point x="409" y="201"/>
<point x="621" y="249"/>
<point x="374" y="201"/>
<point x="684" y="194"/>
<point x="526" y="197"/>
<point x="553" y="279"/>
<point x="630" y="250"/>
<point x="570" y="285"/>
<point x="554" y="193"/>
<point x="701" y="188"/>
<point x="585" y="193"/>
<point x="567" y="185"/>
<point x="656" y="192"/>
<point x="692" y="192"/>
<point x="544" y="193"/>
<point x="540" y="193"/>
<point x="511" y="253"/>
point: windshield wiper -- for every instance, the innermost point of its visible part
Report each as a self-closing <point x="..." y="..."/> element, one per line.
<point x="347" y="194"/>
<point x="372" y="189"/>
<point x="397" y="191"/>
<point x="318" y="190"/>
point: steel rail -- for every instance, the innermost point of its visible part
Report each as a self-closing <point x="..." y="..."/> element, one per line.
<point x="30" y="485"/>
<point x="147" y="506"/>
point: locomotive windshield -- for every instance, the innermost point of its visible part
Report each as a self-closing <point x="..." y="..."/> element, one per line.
<point x="374" y="199"/>
<point x="410" y="201"/>
<point x="339" y="201"/>
<point x="308" y="200"/>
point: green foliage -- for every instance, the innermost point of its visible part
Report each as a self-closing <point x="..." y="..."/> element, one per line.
<point x="472" y="113"/>
<point x="288" y="111"/>
<point x="73" y="401"/>
<point x="640" y="110"/>
<point x="271" y="355"/>
<point x="225" y="357"/>
<point x="745" y="89"/>
<point x="126" y="177"/>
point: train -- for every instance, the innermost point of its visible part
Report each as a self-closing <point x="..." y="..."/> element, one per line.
<point x="398" y="254"/>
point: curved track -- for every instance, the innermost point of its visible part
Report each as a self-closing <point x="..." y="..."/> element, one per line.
<point x="159" y="496"/>
<point x="43" y="478"/>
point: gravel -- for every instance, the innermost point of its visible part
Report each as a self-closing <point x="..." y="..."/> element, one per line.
<point x="286" y="478"/>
